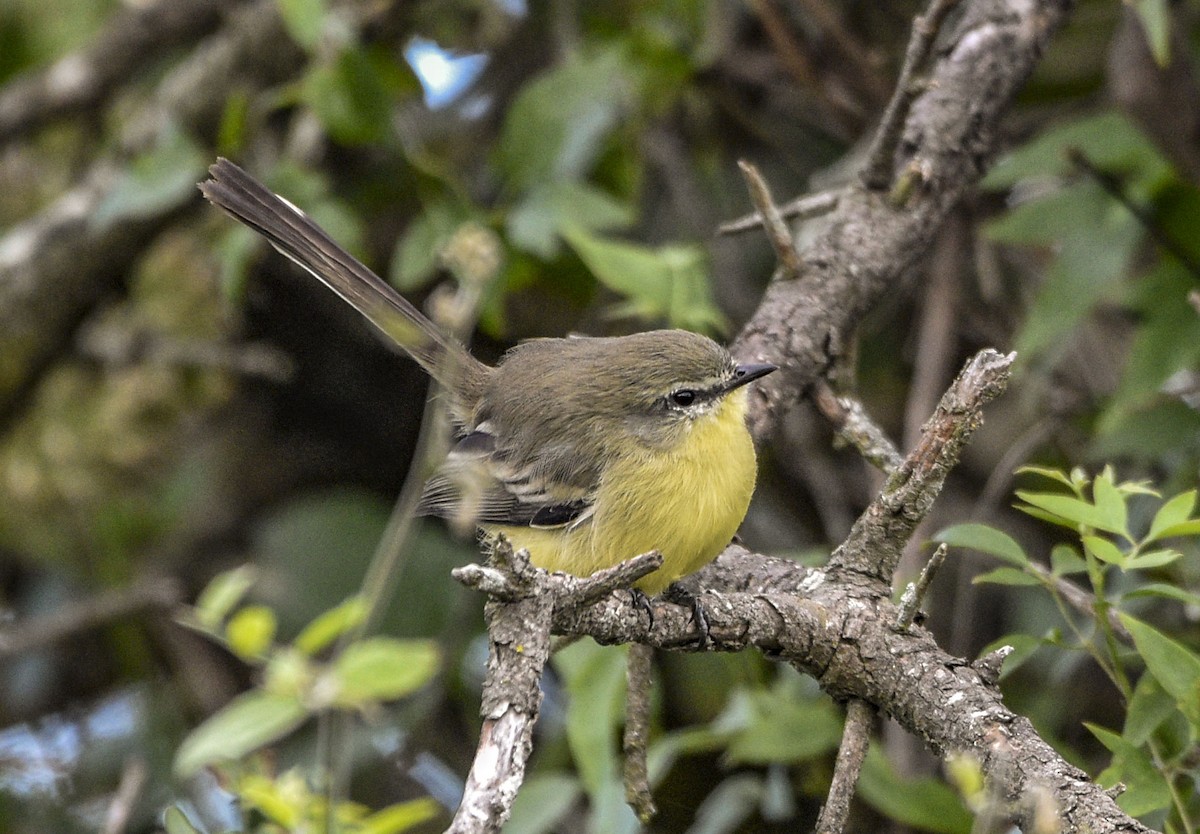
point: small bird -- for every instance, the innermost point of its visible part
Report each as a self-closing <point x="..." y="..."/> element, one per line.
<point x="585" y="451"/>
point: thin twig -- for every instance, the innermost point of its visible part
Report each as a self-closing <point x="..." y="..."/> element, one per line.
<point x="639" y="678"/>
<point x="160" y="592"/>
<point x="910" y="601"/>
<point x="801" y="208"/>
<point x="876" y="541"/>
<point x="856" y="737"/>
<point x="877" y="172"/>
<point x="855" y="56"/>
<point x="119" y="347"/>
<point x="777" y="230"/>
<point x="855" y="426"/>
<point x="133" y="779"/>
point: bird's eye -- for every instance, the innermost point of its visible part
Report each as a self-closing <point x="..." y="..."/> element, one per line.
<point x="683" y="397"/>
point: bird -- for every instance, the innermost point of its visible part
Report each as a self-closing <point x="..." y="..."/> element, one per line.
<point x="584" y="451"/>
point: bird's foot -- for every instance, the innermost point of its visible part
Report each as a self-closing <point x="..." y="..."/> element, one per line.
<point x="680" y="595"/>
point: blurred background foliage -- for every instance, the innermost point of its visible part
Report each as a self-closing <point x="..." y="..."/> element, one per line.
<point x="201" y="405"/>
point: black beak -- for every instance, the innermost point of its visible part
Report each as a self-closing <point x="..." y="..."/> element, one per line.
<point x="748" y="373"/>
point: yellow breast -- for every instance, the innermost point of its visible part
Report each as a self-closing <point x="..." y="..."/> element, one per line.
<point x="686" y="502"/>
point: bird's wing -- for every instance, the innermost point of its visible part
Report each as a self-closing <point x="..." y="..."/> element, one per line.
<point x="478" y="486"/>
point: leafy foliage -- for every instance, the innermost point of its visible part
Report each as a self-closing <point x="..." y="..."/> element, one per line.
<point x="359" y="676"/>
<point x="1152" y="755"/>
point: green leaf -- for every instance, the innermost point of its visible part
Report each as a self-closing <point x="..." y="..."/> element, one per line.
<point x="1104" y="550"/>
<point x="331" y="625"/>
<point x="246" y="723"/>
<point x="1162" y="589"/>
<point x="221" y="594"/>
<point x="1049" y="518"/>
<point x="175" y="821"/>
<point x="558" y="122"/>
<point x="1146" y="789"/>
<point x="1065" y="560"/>
<point x="399" y="817"/>
<point x="1073" y="510"/>
<point x="986" y="539"/>
<point x="282" y="800"/>
<point x="1184" y="528"/>
<point x="1173" y="512"/>
<point x="1110" y="503"/>
<point x="1110" y="140"/>
<point x="537" y="222"/>
<point x="383" y="669"/>
<point x="1155" y="16"/>
<point x="350" y="98"/>
<point x="303" y="19"/>
<point x="669" y="283"/>
<point x="250" y="631"/>
<point x="595" y="678"/>
<point x="1048" y="472"/>
<point x="1151" y="559"/>
<point x="1149" y="707"/>
<point x="1006" y="576"/>
<point x="779" y="728"/>
<point x="157" y="180"/>
<point x="927" y="804"/>
<point x="1175" y="666"/>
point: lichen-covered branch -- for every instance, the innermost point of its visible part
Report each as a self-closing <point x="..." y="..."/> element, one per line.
<point x="519" y="615"/>
<point x="845" y="639"/>
<point x="877" y="539"/>
<point x="950" y="136"/>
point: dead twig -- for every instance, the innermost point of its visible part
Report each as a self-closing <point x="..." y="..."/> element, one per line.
<point x="777" y="231"/>
<point x="801" y="208"/>
<point x="877" y="539"/>
<point x="855" y="427"/>
<point x="877" y="172"/>
<point x="133" y="780"/>
<point x="856" y="737"/>
<point x="636" y="740"/>
<point x="161" y="592"/>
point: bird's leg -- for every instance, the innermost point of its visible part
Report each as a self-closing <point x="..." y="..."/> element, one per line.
<point x="681" y="595"/>
<point x="642" y="603"/>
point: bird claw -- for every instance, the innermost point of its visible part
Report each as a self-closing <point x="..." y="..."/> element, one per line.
<point x="642" y="603"/>
<point x="680" y="595"/>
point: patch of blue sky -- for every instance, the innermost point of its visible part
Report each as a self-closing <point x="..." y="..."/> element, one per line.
<point x="444" y="75"/>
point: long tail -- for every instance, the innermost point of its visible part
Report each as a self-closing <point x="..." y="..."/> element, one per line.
<point x="292" y="232"/>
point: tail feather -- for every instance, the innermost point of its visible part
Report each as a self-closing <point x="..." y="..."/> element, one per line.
<point x="297" y="237"/>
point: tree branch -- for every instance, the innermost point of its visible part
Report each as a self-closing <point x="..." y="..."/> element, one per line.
<point x="95" y="611"/>
<point x="951" y="134"/>
<point x="845" y="639"/>
<point x="876" y="541"/>
<point x="58" y="264"/>
<point x="518" y="616"/>
<point x="135" y="36"/>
